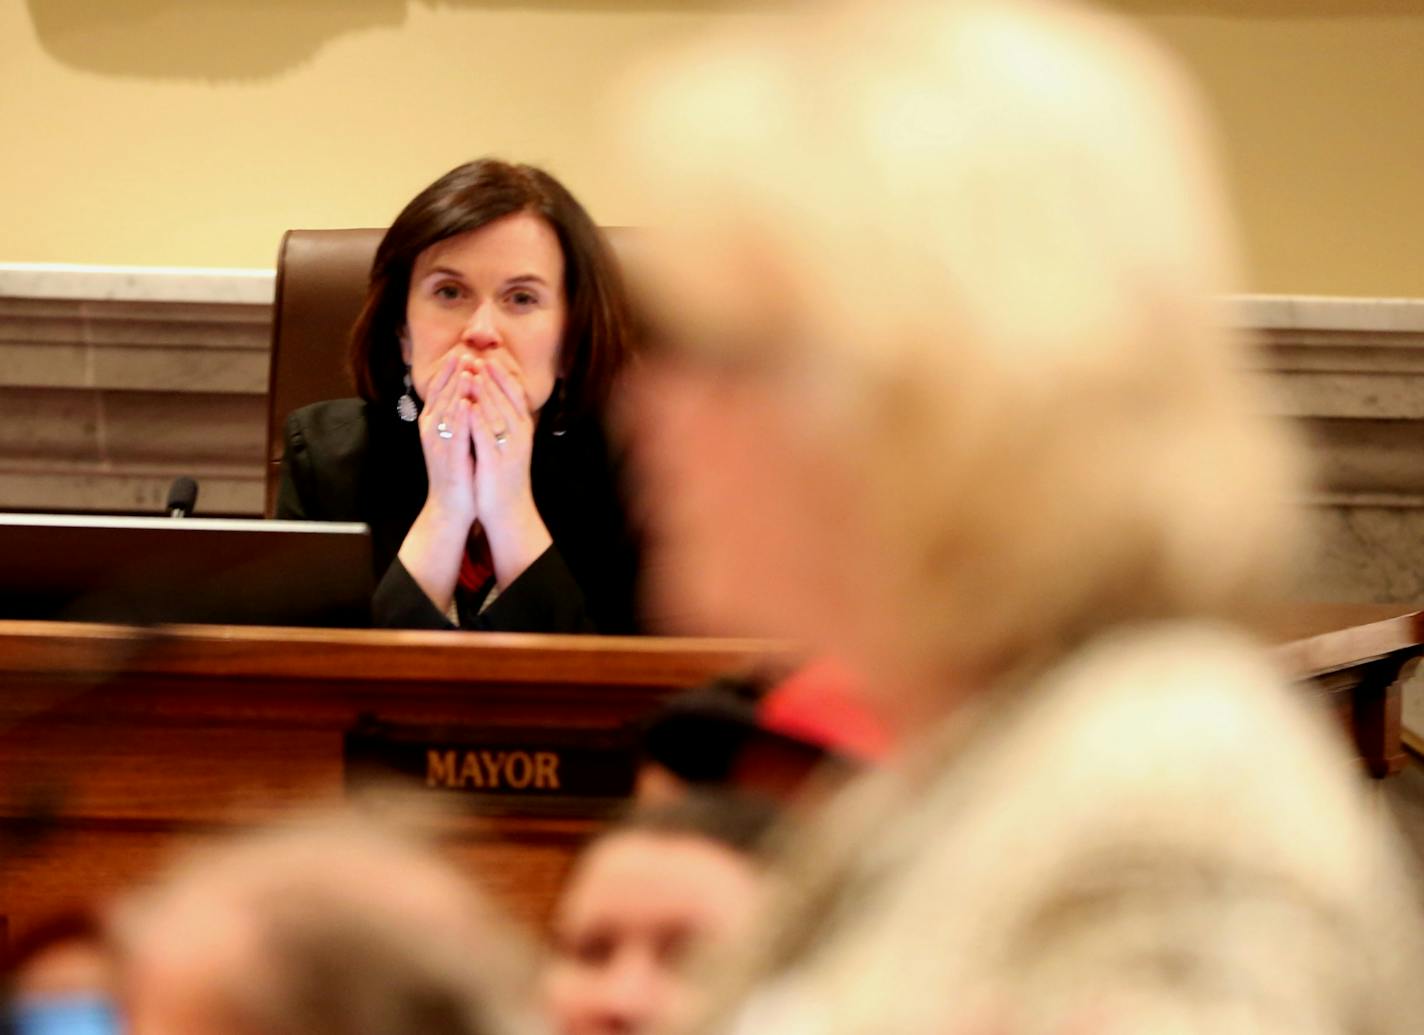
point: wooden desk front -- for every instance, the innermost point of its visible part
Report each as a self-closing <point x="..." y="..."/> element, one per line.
<point x="118" y="745"/>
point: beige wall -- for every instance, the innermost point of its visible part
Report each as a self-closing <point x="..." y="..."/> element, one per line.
<point x="192" y="132"/>
<point x="1321" y="104"/>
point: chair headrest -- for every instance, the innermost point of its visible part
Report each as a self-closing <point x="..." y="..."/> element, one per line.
<point x="321" y="283"/>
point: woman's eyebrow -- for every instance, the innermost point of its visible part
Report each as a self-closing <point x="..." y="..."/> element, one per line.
<point x="527" y="278"/>
<point x="443" y="271"/>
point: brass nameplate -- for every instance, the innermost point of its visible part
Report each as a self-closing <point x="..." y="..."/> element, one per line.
<point x="501" y="769"/>
<point x="496" y="770"/>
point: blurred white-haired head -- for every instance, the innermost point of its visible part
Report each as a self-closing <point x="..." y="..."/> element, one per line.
<point x="937" y="376"/>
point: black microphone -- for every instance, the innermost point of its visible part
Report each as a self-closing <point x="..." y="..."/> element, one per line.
<point x="182" y="497"/>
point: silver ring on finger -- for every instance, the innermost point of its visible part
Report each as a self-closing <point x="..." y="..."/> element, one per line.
<point x="501" y="437"/>
<point x="443" y="430"/>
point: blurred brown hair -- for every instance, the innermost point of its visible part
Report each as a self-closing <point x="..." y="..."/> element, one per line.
<point x="469" y="197"/>
<point x="337" y="925"/>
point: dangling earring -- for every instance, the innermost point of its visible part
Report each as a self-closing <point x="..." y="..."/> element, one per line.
<point x="406" y="409"/>
<point x="555" y="405"/>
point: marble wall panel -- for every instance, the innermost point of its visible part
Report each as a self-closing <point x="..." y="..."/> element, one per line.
<point x="51" y="423"/>
<point x="1382" y="459"/>
<point x="178" y="346"/>
<point x="1359" y="395"/>
<point x="1364" y="553"/>
<point x="109" y="490"/>
<point x="112" y="383"/>
<point x="183" y="428"/>
<point x="44" y="365"/>
<point x="40" y="320"/>
<point x="1351" y="371"/>
<point x="176" y="323"/>
<point x="42" y="344"/>
<point x="211" y="371"/>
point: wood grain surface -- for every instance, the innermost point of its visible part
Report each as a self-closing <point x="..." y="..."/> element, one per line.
<point x="120" y="746"/>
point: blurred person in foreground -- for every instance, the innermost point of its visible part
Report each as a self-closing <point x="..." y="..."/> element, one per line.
<point x="59" y="979"/>
<point x="331" y="929"/>
<point x="938" y="384"/>
<point x="648" y="897"/>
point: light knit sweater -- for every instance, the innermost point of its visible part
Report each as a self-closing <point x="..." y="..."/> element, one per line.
<point x="1160" y="836"/>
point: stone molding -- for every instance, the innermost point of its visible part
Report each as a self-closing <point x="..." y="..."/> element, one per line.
<point x="1351" y="371"/>
<point x="114" y="381"/>
<point x="1342" y="358"/>
<point x="136" y="283"/>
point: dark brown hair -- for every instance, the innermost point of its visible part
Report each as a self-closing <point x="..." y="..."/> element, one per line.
<point x="737" y="821"/>
<point x="75" y="925"/>
<point x="467" y="198"/>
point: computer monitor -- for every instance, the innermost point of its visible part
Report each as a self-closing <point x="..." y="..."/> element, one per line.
<point x="139" y="570"/>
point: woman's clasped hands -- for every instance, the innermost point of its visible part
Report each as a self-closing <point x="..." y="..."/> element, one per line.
<point x="477" y="433"/>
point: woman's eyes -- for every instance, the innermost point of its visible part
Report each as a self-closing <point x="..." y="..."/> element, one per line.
<point x="519" y="298"/>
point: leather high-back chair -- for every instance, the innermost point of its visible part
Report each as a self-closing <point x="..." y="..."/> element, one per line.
<point x="321" y="283"/>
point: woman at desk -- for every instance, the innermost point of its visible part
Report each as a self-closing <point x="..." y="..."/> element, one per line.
<point x="493" y="328"/>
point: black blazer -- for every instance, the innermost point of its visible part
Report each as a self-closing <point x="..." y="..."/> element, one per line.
<point x="347" y="461"/>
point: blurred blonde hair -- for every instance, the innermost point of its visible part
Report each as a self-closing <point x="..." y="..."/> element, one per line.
<point x="980" y="246"/>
